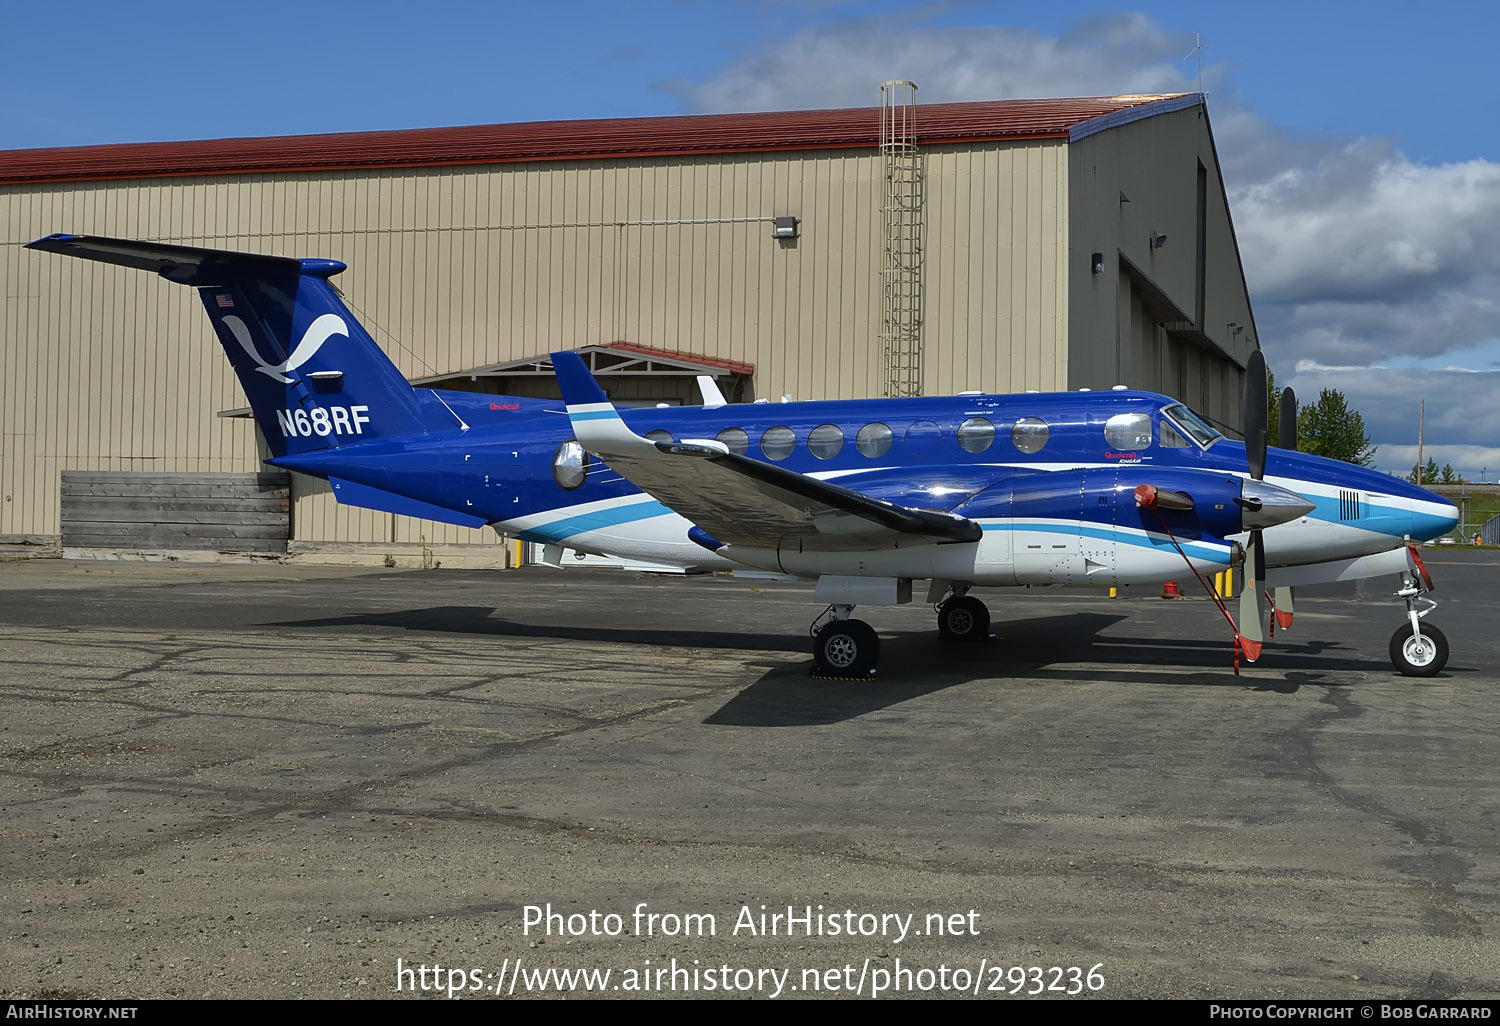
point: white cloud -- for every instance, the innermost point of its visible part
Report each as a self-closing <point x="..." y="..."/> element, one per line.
<point x="1359" y="260"/>
<point x="842" y="64"/>
<point x="1462" y="414"/>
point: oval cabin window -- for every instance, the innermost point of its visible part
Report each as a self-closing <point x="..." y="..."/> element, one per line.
<point x="873" y="440"/>
<point x="1030" y="434"/>
<point x="1128" y="431"/>
<point x="778" y="442"/>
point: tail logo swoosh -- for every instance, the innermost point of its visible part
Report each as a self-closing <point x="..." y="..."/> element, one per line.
<point x="317" y="333"/>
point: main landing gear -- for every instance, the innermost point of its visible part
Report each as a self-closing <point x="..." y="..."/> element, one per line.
<point x="1418" y="649"/>
<point x="963" y="617"/>
<point x="843" y="647"/>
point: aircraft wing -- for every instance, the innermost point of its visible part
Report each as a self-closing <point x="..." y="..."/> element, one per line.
<point x="737" y="500"/>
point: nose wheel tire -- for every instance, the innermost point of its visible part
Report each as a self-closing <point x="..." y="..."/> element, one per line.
<point x="963" y="619"/>
<point x="1420" y="656"/>
<point x="846" y="648"/>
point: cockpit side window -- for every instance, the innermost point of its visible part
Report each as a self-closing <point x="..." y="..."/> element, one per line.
<point x="1171" y="438"/>
<point x="1192" y="425"/>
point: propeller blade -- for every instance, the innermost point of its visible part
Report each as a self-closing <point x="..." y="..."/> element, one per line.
<point x="1254" y="608"/>
<point x="1286" y="430"/>
<point x="1255" y="414"/>
<point x="1283" y="597"/>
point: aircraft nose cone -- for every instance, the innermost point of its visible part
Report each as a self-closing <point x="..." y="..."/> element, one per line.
<point x="1428" y="515"/>
<point x="1443" y="522"/>
<point x="1266" y="505"/>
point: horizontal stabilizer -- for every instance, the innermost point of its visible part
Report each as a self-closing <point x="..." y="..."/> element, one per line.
<point x="189" y="265"/>
<point x="350" y="494"/>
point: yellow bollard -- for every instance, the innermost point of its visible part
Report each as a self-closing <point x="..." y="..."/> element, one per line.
<point x="1114" y="593"/>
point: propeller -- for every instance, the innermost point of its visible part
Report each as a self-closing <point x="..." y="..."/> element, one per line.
<point x="1253" y="604"/>
<point x="1286" y="430"/>
<point x="1286" y="438"/>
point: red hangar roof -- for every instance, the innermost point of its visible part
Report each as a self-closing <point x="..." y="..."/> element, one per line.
<point x="584" y="140"/>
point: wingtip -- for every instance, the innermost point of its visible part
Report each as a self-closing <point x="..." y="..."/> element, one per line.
<point x="48" y="241"/>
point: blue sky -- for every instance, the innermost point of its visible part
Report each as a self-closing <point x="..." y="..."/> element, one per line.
<point x="1360" y="142"/>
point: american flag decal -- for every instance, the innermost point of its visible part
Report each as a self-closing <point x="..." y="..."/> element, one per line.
<point x="225" y="300"/>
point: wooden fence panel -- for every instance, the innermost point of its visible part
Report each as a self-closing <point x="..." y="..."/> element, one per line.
<point x="156" y="512"/>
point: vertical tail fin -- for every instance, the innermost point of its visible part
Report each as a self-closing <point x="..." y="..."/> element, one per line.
<point x="314" y="377"/>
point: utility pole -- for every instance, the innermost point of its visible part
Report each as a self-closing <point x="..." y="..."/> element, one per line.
<point x="1421" y="423"/>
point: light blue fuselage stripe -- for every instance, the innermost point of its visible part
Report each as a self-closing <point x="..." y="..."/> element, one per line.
<point x="595" y="415"/>
<point x="561" y="530"/>
<point x="1376" y="518"/>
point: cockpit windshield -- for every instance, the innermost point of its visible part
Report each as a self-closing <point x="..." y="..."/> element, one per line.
<point x="1193" y="425"/>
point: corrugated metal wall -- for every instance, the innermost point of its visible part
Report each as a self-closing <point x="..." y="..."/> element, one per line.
<point x="110" y="369"/>
<point x="1125" y="185"/>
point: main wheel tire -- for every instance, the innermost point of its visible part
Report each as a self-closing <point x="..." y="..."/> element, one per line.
<point x="1423" y="657"/>
<point x="846" y="648"/>
<point x="963" y="619"/>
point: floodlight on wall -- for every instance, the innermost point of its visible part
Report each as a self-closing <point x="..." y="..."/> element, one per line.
<point x="1096" y="263"/>
<point x="786" y="228"/>
<point x="1235" y="329"/>
<point x="1158" y="240"/>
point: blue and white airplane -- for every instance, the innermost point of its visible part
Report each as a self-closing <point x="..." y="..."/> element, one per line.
<point x="865" y="497"/>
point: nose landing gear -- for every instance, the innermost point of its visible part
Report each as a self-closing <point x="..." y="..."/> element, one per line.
<point x="1418" y="649"/>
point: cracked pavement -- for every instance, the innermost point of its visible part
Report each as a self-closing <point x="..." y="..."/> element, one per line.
<point x="268" y="781"/>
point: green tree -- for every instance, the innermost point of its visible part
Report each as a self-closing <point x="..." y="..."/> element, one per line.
<point x="1429" y="474"/>
<point x="1450" y="476"/>
<point x="1330" y="428"/>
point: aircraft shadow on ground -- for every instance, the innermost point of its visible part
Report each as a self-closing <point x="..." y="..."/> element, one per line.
<point x="482" y="621"/>
<point x="915" y="663"/>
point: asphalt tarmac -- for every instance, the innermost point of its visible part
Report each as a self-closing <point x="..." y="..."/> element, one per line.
<point x="270" y="781"/>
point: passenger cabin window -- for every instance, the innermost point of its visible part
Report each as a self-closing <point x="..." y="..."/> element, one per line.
<point x="1128" y="430"/>
<point x="976" y="434"/>
<point x="873" y="440"/>
<point x="825" y="441"/>
<point x="778" y="442"/>
<point x="922" y="438"/>
<point x="1171" y="438"/>
<point x="1030" y="434"/>
<point x="735" y="439"/>
<point x="570" y="465"/>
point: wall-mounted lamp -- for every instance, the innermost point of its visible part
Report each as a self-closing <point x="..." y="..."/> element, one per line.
<point x="1235" y="329"/>
<point x="1124" y="198"/>
<point x="1158" y="240"/>
<point x="786" y="228"/>
<point x="1096" y="263"/>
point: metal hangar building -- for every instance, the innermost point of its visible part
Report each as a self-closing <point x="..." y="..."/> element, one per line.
<point x="901" y="249"/>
